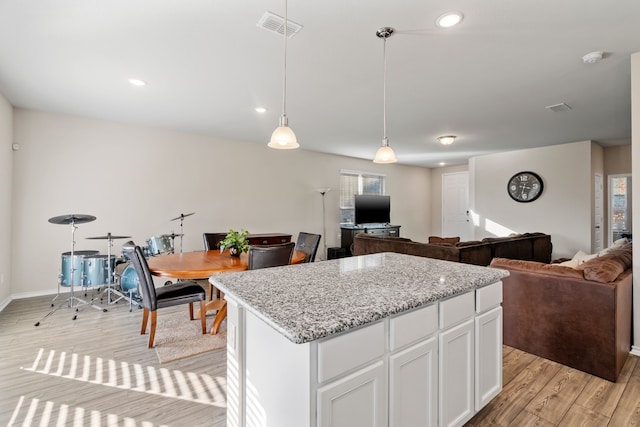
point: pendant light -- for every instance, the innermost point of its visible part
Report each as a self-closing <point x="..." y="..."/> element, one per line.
<point x="283" y="137"/>
<point x="384" y="154"/>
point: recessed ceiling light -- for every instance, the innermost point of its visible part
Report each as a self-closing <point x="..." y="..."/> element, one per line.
<point x="449" y="19"/>
<point x="261" y="110"/>
<point x="442" y="163"/>
<point x="137" y="82"/>
<point x="593" y="57"/>
<point x="446" y="139"/>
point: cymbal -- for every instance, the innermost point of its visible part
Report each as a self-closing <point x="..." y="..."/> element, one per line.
<point x="182" y="216"/>
<point x="72" y="219"/>
<point x="109" y="236"/>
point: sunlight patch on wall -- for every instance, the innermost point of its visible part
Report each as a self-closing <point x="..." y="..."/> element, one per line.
<point x="497" y="229"/>
<point x="475" y="218"/>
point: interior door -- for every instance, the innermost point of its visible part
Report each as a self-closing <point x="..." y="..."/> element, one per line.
<point x="455" y="205"/>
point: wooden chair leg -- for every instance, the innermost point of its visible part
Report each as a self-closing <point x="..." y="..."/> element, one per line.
<point x="145" y="317"/>
<point x="222" y="314"/>
<point x="191" y="311"/>
<point x="203" y="316"/>
<point x="152" y="332"/>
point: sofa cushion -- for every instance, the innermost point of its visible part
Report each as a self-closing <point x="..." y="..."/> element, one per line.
<point x="468" y="243"/>
<point x="607" y="268"/>
<point x="536" y="267"/>
<point x="437" y="240"/>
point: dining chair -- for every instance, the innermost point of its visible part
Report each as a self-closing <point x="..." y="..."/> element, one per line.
<point x="212" y="240"/>
<point x="263" y="256"/>
<point x="308" y="243"/>
<point x="184" y="292"/>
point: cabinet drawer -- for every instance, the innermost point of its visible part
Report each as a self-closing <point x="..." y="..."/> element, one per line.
<point x="413" y="326"/>
<point x="348" y="351"/>
<point x="488" y="297"/>
<point x="378" y="231"/>
<point x="457" y="309"/>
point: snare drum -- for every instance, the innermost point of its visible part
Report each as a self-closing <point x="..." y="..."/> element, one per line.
<point x="73" y="263"/>
<point x="96" y="270"/>
<point x="159" y="245"/>
<point x="129" y="281"/>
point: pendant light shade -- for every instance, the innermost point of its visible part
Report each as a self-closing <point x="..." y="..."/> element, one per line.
<point x="283" y="137"/>
<point x="384" y="154"/>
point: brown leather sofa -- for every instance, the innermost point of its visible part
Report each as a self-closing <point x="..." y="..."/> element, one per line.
<point x="579" y="317"/>
<point x="528" y="246"/>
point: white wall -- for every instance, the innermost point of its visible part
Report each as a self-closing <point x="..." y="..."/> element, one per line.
<point x="563" y="210"/>
<point x="6" y="156"/>
<point x="135" y="179"/>
<point x="635" y="153"/>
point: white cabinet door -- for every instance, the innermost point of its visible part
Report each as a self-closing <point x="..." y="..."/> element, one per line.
<point x="456" y="369"/>
<point x="413" y="386"/>
<point x="488" y="356"/>
<point x="358" y="399"/>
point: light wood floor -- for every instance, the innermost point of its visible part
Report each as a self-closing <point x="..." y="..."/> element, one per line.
<point x="97" y="371"/>
<point x="542" y="393"/>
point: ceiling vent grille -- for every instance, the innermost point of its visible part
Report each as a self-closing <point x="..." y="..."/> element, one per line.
<point x="558" y="107"/>
<point x="275" y="24"/>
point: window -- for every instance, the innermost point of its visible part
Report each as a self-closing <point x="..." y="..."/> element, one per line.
<point x="619" y="206"/>
<point x="352" y="183"/>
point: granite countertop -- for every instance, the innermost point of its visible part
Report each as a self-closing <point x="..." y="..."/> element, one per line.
<point x="306" y="302"/>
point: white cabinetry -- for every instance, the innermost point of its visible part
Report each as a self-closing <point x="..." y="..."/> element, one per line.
<point x="413" y="389"/>
<point x="488" y="335"/>
<point x="456" y="360"/>
<point x="436" y="365"/>
<point x="355" y="400"/>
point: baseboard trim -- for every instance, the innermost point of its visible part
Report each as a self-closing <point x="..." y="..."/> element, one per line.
<point x="635" y="350"/>
<point x="23" y="295"/>
<point x="5" y="303"/>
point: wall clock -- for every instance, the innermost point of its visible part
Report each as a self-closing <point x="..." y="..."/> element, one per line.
<point x="525" y="187"/>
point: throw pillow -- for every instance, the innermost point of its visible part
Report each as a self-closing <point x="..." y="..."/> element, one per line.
<point x="616" y="245"/>
<point x="439" y="240"/>
<point x="572" y="263"/>
<point x="583" y="257"/>
<point x="604" y="269"/>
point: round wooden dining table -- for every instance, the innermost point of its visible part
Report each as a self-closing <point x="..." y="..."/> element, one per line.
<point x="200" y="265"/>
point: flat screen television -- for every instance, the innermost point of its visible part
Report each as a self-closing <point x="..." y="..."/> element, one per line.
<point x="372" y="209"/>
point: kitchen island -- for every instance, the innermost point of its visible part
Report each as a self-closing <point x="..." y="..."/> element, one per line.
<point x="376" y="340"/>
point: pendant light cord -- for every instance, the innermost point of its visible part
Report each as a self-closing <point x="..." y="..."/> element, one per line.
<point x="284" y="74"/>
<point x="384" y="89"/>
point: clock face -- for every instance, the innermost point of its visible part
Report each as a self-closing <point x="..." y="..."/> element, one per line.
<point x="525" y="187"/>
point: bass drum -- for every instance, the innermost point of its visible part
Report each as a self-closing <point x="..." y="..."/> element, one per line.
<point x="74" y="263"/>
<point x="129" y="282"/>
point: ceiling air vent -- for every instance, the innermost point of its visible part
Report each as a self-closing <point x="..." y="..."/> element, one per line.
<point x="558" y="107"/>
<point x="275" y="24"/>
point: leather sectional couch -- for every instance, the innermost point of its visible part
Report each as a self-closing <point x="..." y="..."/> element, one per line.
<point x="527" y="246"/>
<point x="579" y="317"/>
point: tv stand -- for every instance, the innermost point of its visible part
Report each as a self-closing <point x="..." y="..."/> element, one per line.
<point x="349" y="231"/>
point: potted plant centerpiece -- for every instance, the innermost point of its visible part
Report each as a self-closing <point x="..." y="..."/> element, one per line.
<point x="236" y="242"/>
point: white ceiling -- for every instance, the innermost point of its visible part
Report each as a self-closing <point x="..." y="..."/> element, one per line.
<point x="208" y="66"/>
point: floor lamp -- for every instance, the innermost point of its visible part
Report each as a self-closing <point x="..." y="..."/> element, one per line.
<point x="324" y="191"/>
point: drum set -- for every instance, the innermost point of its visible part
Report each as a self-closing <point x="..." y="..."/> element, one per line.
<point x="114" y="277"/>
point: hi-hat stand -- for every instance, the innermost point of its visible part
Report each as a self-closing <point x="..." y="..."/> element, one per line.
<point x="71" y="219"/>
<point x="181" y="218"/>
<point x="110" y="289"/>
